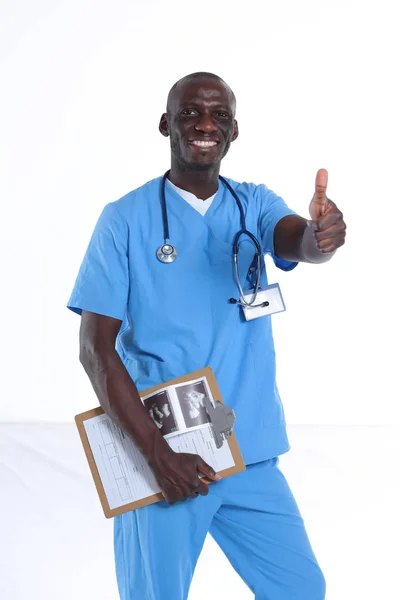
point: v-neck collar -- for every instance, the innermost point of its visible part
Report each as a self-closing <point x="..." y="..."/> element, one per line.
<point x="192" y="198"/>
<point x="182" y="202"/>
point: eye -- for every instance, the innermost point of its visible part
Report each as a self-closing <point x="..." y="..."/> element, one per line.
<point x="222" y="115"/>
<point x="188" y="112"/>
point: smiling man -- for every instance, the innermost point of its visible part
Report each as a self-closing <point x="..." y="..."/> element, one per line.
<point x="193" y="148"/>
<point x="151" y="313"/>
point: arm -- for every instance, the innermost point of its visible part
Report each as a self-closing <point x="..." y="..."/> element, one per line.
<point x="118" y="396"/>
<point x="315" y="241"/>
<point x="114" y="387"/>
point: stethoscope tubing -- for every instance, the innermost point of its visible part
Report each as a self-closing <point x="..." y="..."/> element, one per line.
<point x="164" y="253"/>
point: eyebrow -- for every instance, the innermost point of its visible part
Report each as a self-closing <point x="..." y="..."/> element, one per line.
<point x="196" y="103"/>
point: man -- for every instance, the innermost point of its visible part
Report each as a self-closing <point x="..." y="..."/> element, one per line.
<point x="135" y="334"/>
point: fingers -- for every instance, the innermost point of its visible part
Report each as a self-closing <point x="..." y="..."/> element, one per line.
<point x="332" y="243"/>
<point x="189" y="492"/>
<point x="338" y="229"/>
<point x="192" y="490"/>
<point x="330" y="216"/>
<point x="184" y="481"/>
<point x="331" y="238"/>
<point x="330" y="229"/>
<point x="206" y="470"/>
<point x="201" y="489"/>
<point x="321" y="183"/>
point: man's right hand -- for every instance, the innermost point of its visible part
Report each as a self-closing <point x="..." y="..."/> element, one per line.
<point x="177" y="475"/>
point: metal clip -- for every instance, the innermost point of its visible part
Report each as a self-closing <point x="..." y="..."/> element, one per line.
<point x="222" y="420"/>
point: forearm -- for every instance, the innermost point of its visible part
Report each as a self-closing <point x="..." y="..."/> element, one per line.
<point x="120" y="399"/>
<point x="294" y="241"/>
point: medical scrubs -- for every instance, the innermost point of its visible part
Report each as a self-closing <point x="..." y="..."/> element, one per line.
<point x="176" y="318"/>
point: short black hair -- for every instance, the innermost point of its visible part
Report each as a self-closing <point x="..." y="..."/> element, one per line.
<point x="197" y="75"/>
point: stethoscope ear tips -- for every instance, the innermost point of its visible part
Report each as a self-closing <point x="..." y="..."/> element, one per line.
<point x="232" y="301"/>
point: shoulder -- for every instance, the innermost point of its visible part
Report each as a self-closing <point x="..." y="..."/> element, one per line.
<point x="250" y="193"/>
<point x="136" y="198"/>
<point x="244" y="187"/>
<point x="118" y="215"/>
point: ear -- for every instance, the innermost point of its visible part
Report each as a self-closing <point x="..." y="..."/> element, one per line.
<point x="163" y="126"/>
<point x="235" y="130"/>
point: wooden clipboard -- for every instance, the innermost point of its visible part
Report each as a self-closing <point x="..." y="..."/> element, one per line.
<point x="80" y="418"/>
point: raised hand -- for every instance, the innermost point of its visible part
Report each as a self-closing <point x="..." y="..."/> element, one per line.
<point x="327" y="220"/>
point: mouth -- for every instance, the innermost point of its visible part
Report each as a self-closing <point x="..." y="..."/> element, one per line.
<point x="204" y="144"/>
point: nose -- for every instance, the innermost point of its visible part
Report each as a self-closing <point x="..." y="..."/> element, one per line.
<point x="205" y="123"/>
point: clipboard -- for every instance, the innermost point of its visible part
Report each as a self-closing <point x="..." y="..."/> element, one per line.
<point x="221" y="421"/>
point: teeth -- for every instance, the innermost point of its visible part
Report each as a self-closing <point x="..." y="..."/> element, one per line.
<point x="204" y="144"/>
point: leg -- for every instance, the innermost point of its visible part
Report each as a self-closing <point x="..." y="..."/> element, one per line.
<point x="157" y="547"/>
<point x="259" y="528"/>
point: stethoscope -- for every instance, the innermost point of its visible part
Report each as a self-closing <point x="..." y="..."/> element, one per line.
<point x="167" y="253"/>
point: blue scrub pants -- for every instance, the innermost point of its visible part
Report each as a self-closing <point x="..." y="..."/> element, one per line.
<point x="252" y="516"/>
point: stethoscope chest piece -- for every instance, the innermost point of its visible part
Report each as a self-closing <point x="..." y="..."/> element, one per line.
<point x="167" y="253"/>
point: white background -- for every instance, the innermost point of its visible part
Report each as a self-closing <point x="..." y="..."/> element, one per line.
<point x="83" y="86"/>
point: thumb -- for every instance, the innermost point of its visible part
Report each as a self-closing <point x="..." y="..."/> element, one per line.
<point x="319" y="200"/>
<point x="206" y="470"/>
<point x="321" y="183"/>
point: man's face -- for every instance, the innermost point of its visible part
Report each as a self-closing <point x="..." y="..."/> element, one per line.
<point x="201" y="122"/>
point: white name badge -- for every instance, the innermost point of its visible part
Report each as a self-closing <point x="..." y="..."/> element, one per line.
<point x="271" y="294"/>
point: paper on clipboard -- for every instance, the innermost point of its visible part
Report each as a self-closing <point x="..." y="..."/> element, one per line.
<point x="123" y="478"/>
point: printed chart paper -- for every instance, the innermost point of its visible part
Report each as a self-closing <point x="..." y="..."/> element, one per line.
<point x="179" y="412"/>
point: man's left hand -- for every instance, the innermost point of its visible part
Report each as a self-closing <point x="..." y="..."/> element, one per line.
<point x="327" y="219"/>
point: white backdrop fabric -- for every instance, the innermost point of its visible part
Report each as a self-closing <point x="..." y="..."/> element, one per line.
<point x="55" y="543"/>
<point x="84" y="83"/>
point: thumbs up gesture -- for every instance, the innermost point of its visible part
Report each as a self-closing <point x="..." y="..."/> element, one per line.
<point x="326" y="219"/>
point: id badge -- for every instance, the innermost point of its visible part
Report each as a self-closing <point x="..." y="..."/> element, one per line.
<point x="271" y="294"/>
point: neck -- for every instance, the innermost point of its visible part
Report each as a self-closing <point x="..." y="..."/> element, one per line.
<point x="201" y="183"/>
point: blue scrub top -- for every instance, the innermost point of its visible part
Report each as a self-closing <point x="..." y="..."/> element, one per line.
<point x="176" y="318"/>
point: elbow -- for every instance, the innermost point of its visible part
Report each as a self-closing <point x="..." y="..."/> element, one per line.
<point x="88" y="353"/>
<point x="96" y="342"/>
<point x="85" y="356"/>
<point x="95" y="358"/>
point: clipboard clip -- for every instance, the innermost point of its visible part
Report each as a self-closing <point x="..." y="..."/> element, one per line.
<point x="222" y="420"/>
